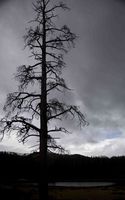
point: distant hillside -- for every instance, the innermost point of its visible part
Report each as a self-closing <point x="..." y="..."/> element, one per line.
<point x="62" y="167"/>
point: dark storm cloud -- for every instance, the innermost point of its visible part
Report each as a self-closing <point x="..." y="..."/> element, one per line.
<point x="101" y="55"/>
<point x="120" y="1"/>
<point x="4" y="1"/>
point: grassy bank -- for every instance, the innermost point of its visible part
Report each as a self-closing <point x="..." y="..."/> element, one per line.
<point x="91" y="193"/>
<point x="30" y="192"/>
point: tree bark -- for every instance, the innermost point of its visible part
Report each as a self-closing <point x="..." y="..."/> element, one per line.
<point x="43" y="182"/>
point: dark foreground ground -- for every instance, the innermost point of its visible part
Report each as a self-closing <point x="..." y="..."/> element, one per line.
<point x="28" y="191"/>
<point x="93" y="193"/>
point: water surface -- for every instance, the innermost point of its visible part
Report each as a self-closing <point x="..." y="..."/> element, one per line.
<point x="81" y="184"/>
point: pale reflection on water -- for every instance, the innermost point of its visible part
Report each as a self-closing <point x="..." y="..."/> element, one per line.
<point x="81" y="184"/>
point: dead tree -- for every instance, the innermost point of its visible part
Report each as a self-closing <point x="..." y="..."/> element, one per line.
<point x="31" y="109"/>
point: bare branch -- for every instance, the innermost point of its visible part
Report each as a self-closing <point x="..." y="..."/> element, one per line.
<point x="60" y="129"/>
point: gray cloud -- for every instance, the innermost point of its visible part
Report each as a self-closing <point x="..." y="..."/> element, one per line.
<point x="120" y="1"/>
<point x="98" y="69"/>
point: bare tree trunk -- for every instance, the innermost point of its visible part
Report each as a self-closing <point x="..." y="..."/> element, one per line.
<point x="43" y="184"/>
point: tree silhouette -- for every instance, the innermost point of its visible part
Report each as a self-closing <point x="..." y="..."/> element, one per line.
<point x="31" y="109"/>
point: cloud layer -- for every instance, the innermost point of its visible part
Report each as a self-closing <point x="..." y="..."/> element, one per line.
<point x="96" y="69"/>
<point x="97" y="73"/>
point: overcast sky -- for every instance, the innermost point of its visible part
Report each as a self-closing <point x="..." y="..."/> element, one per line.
<point x="96" y="70"/>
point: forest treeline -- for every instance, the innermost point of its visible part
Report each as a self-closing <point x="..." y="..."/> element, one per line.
<point x="62" y="167"/>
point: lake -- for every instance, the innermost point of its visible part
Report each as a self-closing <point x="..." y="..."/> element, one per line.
<point x="81" y="184"/>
